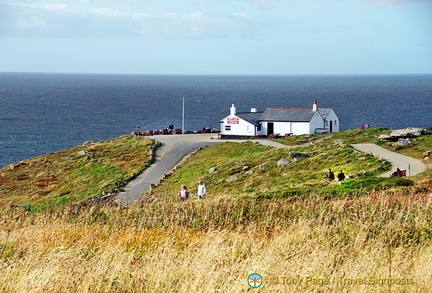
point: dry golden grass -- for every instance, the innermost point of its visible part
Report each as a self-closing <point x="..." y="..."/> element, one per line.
<point x="380" y="236"/>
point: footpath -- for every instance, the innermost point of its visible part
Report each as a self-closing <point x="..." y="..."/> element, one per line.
<point x="175" y="147"/>
<point x="411" y="165"/>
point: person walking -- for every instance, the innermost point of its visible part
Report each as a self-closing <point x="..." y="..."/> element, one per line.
<point x="184" y="193"/>
<point x="201" y="189"/>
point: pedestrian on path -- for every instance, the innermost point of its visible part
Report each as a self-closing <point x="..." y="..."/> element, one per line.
<point x="201" y="189"/>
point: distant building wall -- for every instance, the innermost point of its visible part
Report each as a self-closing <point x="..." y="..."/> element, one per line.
<point x="234" y="125"/>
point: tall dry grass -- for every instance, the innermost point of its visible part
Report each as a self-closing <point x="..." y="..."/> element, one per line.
<point x="213" y="245"/>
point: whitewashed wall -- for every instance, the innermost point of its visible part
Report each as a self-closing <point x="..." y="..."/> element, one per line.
<point x="241" y="128"/>
<point x="333" y="117"/>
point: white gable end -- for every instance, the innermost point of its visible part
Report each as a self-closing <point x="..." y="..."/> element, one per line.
<point x="234" y="125"/>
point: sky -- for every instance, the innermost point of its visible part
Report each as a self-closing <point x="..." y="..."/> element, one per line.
<point x="247" y="37"/>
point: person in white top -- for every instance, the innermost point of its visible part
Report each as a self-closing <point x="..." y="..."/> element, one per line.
<point x="201" y="189"/>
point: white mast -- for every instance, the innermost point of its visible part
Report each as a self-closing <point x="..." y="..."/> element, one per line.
<point x="183" y="116"/>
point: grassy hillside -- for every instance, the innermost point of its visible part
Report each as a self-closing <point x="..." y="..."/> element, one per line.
<point x="74" y="175"/>
<point x="286" y="224"/>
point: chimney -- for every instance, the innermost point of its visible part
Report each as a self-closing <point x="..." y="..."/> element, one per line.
<point x="232" y="110"/>
<point x="315" y="106"/>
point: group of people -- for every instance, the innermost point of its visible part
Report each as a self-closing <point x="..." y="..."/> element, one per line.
<point x="363" y="127"/>
<point x="184" y="193"/>
<point x="330" y="176"/>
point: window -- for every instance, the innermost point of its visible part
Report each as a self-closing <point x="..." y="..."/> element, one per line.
<point x="335" y="122"/>
<point x="228" y="127"/>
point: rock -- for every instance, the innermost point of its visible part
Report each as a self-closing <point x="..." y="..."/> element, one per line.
<point x="427" y="154"/>
<point x="70" y="159"/>
<point x="212" y="170"/>
<point x="249" y="173"/>
<point x="232" y="178"/>
<point x="365" y="173"/>
<point x="380" y="168"/>
<point x="86" y="158"/>
<point x="408" y="132"/>
<point x="350" y="177"/>
<point x="385" y="137"/>
<point x="268" y="188"/>
<point x="245" y="168"/>
<point x="156" y="199"/>
<point x="297" y="154"/>
<point x="82" y="153"/>
<point x="264" y="166"/>
<point x="90" y="142"/>
<point x="404" y="141"/>
<point x="283" y="163"/>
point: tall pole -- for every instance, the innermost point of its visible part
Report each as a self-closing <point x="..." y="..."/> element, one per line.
<point x="183" y="116"/>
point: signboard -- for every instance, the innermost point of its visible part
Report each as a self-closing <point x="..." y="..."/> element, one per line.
<point x="233" y="120"/>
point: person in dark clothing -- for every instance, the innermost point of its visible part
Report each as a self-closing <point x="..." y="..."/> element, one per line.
<point x="330" y="175"/>
<point x="170" y="128"/>
<point x="341" y="177"/>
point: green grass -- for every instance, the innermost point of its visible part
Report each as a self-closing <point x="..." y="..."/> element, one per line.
<point x="74" y="175"/>
<point x="305" y="173"/>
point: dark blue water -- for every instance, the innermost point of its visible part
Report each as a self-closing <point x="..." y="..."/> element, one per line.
<point x="43" y="113"/>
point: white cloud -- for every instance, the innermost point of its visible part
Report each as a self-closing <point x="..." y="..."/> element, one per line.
<point x="241" y="14"/>
<point x="55" y="7"/>
<point x="390" y="2"/>
<point x="105" y="11"/>
<point x="34" y="22"/>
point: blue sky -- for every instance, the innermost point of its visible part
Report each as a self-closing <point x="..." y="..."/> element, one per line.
<point x="216" y="36"/>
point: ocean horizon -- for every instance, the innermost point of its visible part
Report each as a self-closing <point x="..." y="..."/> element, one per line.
<point x="45" y="112"/>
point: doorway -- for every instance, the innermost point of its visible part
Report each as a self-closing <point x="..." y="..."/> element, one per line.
<point x="270" y="128"/>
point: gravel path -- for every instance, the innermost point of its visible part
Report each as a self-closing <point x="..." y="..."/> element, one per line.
<point x="413" y="166"/>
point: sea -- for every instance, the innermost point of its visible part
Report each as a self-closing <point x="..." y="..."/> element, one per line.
<point x="42" y="113"/>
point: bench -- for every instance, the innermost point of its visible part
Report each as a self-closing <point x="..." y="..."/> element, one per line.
<point x="400" y="173"/>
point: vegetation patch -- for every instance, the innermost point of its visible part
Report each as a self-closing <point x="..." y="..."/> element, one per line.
<point x="74" y="175"/>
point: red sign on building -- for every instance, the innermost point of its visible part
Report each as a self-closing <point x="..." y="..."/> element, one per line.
<point x="233" y="120"/>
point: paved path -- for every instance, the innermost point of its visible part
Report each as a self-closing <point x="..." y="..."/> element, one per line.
<point x="175" y="147"/>
<point x="413" y="166"/>
<point x="172" y="151"/>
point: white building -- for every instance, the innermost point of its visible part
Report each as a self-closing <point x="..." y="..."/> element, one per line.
<point x="279" y="121"/>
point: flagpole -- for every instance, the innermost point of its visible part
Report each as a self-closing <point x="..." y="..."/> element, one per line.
<point x="183" y="114"/>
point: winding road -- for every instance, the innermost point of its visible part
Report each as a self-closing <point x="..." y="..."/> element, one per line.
<point x="411" y="165"/>
<point x="175" y="147"/>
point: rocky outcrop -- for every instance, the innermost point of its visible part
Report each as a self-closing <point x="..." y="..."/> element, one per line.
<point x="406" y="133"/>
<point x="283" y="163"/>
<point x="232" y="178"/>
<point x="297" y="154"/>
<point x="409" y="132"/>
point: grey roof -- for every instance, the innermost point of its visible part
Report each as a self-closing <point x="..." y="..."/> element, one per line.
<point x="251" y="117"/>
<point x="325" y="112"/>
<point x="291" y="115"/>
